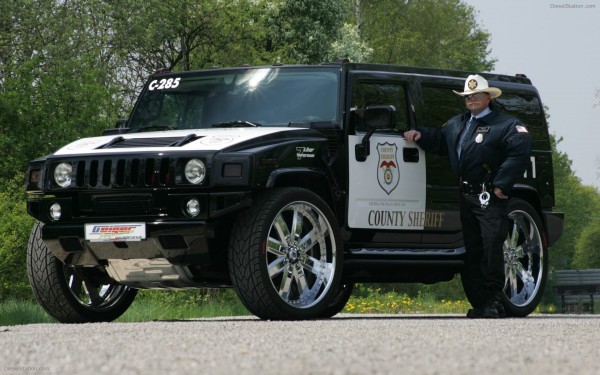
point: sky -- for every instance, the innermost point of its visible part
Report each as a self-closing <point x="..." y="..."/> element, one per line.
<point x="557" y="45"/>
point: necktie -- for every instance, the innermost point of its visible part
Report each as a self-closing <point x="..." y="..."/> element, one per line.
<point x="463" y="135"/>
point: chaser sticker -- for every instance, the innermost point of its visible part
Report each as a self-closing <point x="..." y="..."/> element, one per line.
<point x="164" y="84"/>
<point x="115" y="232"/>
<point x="388" y="174"/>
<point x="305" y="152"/>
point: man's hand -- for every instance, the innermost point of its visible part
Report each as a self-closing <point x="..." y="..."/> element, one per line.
<point x="412" y="136"/>
<point x="499" y="193"/>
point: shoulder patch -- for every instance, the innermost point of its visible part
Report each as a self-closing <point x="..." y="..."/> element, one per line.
<point x="521" y="129"/>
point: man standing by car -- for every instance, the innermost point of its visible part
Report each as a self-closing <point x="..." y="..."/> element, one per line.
<point x="489" y="151"/>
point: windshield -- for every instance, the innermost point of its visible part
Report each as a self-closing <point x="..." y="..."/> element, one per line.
<point x="251" y="97"/>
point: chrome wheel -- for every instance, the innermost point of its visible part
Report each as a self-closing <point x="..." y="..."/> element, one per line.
<point x="73" y="294"/>
<point x="525" y="263"/>
<point x="285" y="256"/>
<point x="300" y="254"/>
<point x="92" y="294"/>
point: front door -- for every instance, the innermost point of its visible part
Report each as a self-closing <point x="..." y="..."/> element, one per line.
<point x="387" y="190"/>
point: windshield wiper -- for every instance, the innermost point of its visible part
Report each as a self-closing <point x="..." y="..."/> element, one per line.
<point x="236" y="124"/>
<point x="151" y="127"/>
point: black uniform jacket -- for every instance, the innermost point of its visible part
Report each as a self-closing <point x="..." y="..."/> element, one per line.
<point x="495" y="151"/>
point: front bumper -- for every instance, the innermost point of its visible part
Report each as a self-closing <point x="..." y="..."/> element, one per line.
<point x="170" y="234"/>
<point x="179" y="242"/>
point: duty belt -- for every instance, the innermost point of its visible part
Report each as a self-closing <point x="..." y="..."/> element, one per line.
<point x="468" y="188"/>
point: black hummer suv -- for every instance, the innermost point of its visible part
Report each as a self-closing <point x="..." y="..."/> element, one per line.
<point x="289" y="183"/>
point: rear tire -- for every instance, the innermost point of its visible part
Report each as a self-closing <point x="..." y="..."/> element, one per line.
<point x="525" y="263"/>
<point x="285" y="256"/>
<point x="73" y="294"/>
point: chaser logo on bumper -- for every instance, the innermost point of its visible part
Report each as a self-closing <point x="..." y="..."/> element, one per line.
<point x="115" y="232"/>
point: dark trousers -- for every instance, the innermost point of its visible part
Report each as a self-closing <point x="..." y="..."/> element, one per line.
<point x="484" y="232"/>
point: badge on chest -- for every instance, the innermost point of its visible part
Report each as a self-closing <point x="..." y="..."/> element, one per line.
<point x="480" y="133"/>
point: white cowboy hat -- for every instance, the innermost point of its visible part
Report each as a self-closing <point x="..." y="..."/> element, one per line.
<point x="476" y="83"/>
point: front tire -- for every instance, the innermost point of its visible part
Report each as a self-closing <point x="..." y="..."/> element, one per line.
<point x="339" y="301"/>
<point x="285" y="256"/>
<point x="73" y="294"/>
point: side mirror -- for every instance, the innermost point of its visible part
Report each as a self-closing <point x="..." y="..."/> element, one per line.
<point x="121" y="122"/>
<point x="118" y="129"/>
<point x="378" y="117"/>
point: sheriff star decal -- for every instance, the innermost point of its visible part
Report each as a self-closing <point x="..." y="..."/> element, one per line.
<point x="388" y="174"/>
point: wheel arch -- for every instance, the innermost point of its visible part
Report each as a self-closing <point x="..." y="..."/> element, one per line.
<point x="531" y="196"/>
<point x="313" y="180"/>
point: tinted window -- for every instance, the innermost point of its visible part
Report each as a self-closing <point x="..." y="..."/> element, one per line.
<point x="265" y="96"/>
<point x="367" y="94"/>
<point x="528" y="109"/>
<point x="441" y="104"/>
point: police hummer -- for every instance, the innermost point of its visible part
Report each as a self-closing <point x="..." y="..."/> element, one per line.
<point x="288" y="183"/>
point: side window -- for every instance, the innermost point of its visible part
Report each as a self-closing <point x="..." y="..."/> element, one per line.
<point x="367" y="94"/>
<point x="527" y="108"/>
<point x="440" y="105"/>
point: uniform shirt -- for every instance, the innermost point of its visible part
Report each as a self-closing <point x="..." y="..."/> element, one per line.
<point x="497" y="142"/>
<point x="463" y="132"/>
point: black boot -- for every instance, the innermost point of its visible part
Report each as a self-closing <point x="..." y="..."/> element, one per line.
<point x="500" y="309"/>
<point x="489" y="310"/>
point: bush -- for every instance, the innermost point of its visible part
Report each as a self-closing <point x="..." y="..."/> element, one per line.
<point x="14" y="233"/>
<point x="587" y="248"/>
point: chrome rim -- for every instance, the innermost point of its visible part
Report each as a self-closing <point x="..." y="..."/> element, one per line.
<point x="300" y="254"/>
<point x="91" y="294"/>
<point x="523" y="259"/>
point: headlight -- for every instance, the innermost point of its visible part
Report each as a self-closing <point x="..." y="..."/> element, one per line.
<point x="62" y="174"/>
<point x="195" y="171"/>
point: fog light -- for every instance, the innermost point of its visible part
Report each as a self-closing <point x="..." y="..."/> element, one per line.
<point x="192" y="207"/>
<point x="55" y="211"/>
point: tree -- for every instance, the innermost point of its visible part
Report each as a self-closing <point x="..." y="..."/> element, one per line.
<point x="579" y="203"/>
<point x="184" y="35"/>
<point x="302" y="31"/>
<point x="350" y="46"/>
<point x="57" y="83"/>
<point x="441" y="34"/>
<point x="587" y="246"/>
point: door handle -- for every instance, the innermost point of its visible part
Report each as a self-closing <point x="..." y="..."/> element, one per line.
<point x="410" y="154"/>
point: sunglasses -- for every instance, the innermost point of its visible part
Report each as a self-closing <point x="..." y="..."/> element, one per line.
<point x="477" y="96"/>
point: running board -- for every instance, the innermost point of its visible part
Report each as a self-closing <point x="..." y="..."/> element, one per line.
<point x="408" y="252"/>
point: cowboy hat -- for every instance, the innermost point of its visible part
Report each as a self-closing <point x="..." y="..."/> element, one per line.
<point x="476" y="83"/>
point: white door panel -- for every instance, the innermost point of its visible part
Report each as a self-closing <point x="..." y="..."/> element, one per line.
<point x="387" y="191"/>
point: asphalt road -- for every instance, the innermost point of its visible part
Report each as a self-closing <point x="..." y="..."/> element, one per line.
<point x="345" y="344"/>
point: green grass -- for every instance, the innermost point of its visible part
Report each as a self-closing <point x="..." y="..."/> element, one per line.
<point x="178" y="305"/>
<point x="190" y="304"/>
<point x="13" y="312"/>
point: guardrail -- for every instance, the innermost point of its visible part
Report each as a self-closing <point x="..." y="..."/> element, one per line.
<point x="585" y="282"/>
